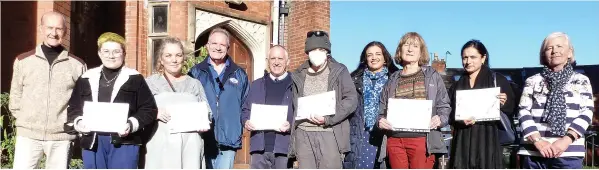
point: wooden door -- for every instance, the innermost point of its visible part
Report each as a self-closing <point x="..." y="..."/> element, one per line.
<point x="242" y="57"/>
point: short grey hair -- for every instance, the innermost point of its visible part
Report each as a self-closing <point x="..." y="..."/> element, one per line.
<point x="223" y="31"/>
<point x="64" y="18"/>
<point x="553" y="35"/>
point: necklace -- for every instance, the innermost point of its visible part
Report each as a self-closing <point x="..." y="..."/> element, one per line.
<point x="109" y="81"/>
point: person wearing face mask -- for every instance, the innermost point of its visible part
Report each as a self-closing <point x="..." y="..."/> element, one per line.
<point x="476" y="145"/>
<point x="42" y="80"/>
<point x="418" y="82"/>
<point x="174" y="150"/>
<point x="376" y="65"/>
<point x="555" y="109"/>
<point x="226" y="86"/>
<point x="320" y="142"/>
<point x="269" y="149"/>
<point x="112" y="82"/>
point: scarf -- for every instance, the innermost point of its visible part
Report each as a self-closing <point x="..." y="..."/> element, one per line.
<point x="555" y="107"/>
<point x="373" y="85"/>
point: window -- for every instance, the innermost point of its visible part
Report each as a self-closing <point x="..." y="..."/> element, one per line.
<point x="159" y="18"/>
<point x="157" y="28"/>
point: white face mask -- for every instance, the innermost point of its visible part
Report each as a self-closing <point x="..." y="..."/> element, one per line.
<point x="317" y="57"/>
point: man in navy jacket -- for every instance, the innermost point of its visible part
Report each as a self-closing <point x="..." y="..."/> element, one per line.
<point x="226" y="86"/>
<point x="269" y="148"/>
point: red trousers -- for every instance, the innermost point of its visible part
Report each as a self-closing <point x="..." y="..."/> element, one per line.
<point x="409" y="153"/>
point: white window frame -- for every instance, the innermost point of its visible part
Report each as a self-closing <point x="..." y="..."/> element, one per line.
<point x="155" y="36"/>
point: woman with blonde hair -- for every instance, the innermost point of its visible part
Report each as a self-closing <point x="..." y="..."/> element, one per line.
<point x="170" y="86"/>
<point x="556" y="108"/>
<point x="418" y="82"/>
<point x="112" y="83"/>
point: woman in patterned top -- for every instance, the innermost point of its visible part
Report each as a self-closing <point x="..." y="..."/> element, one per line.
<point x="555" y="109"/>
<point x="419" y="82"/>
<point x="376" y="65"/>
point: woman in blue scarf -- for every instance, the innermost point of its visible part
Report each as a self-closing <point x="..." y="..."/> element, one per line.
<point x="371" y="75"/>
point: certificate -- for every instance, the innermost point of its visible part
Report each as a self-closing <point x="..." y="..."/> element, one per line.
<point x="105" y="117"/>
<point x="268" y="117"/>
<point x="477" y="104"/>
<point x="322" y="104"/>
<point x="409" y="115"/>
<point x="187" y="116"/>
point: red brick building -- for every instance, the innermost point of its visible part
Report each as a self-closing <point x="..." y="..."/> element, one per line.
<point x="255" y="26"/>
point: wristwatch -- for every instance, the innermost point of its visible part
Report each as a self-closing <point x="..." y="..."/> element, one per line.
<point x="571" y="136"/>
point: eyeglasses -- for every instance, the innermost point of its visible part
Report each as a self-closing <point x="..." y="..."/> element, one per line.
<point x="317" y="33"/>
<point x="221" y="86"/>
<point x="115" y="53"/>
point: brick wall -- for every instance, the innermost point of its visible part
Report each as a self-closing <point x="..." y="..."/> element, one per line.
<point x="136" y="34"/>
<point x="305" y="16"/>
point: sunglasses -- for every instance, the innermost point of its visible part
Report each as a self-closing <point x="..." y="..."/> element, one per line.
<point x="221" y="86"/>
<point x="317" y="33"/>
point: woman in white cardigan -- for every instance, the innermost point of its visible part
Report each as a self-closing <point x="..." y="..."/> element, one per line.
<point x="171" y="86"/>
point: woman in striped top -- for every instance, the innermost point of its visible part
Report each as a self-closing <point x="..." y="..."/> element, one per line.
<point x="555" y="109"/>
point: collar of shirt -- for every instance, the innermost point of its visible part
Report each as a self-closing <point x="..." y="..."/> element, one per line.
<point x="278" y="78"/>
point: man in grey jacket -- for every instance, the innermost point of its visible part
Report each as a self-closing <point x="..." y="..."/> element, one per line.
<point x="320" y="142"/>
<point x="41" y="86"/>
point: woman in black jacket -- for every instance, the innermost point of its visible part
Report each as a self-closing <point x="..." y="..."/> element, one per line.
<point x="371" y="75"/>
<point x="476" y="145"/>
<point x="112" y="83"/>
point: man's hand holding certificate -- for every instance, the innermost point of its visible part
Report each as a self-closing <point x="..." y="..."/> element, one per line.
<point x="316" y="106"/>
<point x="267" y="117"/>
<point x="478" y="104"/>
<point x="409" y="115"/>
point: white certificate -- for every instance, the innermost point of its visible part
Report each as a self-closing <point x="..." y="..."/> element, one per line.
<point x="268" y="117"/>
<point x="187" y="116"/>
<point x="105" y="117"/>
<point x="409" y="115"/>
<point x="477" y="104"/>
<point x="322" y="104"/>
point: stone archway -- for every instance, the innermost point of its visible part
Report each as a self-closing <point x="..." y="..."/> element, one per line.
<point x="253" y="35"/>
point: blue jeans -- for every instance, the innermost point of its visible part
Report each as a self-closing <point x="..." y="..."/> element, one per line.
<point x="535" y="162"/>
<point x="107" y="156"/>
<point x="224" y="159"/>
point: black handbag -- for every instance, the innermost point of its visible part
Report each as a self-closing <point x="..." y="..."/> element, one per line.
<point x="506" y="133"/>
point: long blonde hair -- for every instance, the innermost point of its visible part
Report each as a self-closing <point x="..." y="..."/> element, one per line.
<point x="168" y="40"/>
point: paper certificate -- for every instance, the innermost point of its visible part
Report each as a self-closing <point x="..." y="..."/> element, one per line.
<point x="105" y="117"/>
<point x="480" y="104"/>
<point x="187" y="117"/>
<point x="409" y="115"/>
<point x="322" y="104"/>
<point x="268" y="117"/>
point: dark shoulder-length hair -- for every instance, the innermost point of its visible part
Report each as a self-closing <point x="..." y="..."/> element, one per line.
<point x="480" y="47"/>
<point x="391" y="67"/>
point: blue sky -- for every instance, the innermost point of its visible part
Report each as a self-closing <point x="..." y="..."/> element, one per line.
<point x="511" y="31"/>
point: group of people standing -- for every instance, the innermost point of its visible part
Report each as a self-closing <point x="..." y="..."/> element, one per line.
<point x="555" y="109"/>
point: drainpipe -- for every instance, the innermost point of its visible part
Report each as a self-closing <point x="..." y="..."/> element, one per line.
<point x="283" y="11"/>
<point x="275" y="22"/>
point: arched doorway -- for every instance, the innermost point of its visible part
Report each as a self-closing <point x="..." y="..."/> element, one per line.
<point x="242" y="56"/>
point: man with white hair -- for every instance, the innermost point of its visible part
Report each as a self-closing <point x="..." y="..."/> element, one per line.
<point x="269" y="148"/>
<point x="41" y="86"/>
<point x="226" y="86"/>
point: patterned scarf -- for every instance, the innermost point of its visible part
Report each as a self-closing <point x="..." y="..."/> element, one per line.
<point x="373" y="85"/>
<point x="555" y="107"/>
